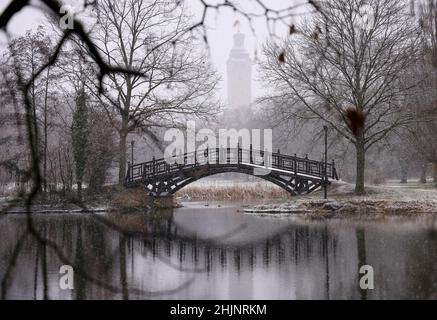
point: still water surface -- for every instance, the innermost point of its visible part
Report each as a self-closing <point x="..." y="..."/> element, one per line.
<point x="217" y="252"/>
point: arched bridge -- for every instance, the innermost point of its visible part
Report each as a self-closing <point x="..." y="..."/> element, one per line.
<point x="294" y="174"/>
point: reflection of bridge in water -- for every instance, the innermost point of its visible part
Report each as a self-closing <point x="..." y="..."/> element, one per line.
<point x="289" y="246"/>
<point x="294" y="174"/>
<point x="158" y="242"/>
<point x="165" y="239"/>
<point x="158" y="251"/>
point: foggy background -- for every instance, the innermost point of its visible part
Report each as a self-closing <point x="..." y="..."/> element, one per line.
<point x="221" y="26"/>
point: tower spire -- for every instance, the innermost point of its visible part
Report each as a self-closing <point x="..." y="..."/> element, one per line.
<point x="239" y="67"/>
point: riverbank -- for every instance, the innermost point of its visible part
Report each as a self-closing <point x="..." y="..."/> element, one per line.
<point x="379" y="201"/>
<point x="259" y="198"/>
<point x="111" y="198"/>
<point x="61" y="202"/>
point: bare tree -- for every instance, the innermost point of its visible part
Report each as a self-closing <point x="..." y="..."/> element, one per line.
<point x="14" y="161"/>
<point x="175" y="80"/>
<point x="428" y="21"/>
<point x="348" y="75"/>
<point x="422" y="137"/>
<point x="31" y="51"/>
<point x="75" y="79"/>
<point x="79" y="133"/>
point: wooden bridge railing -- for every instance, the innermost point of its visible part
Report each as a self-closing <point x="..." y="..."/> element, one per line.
<point x="231" y="156"/>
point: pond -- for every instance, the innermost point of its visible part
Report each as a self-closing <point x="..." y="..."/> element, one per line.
<point x="217" y="252"/>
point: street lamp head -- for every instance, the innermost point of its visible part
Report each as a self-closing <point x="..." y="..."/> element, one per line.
<point x="325" y="127"/>
<point x="132" y="143"/>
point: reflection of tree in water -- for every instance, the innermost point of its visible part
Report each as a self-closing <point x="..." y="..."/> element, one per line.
<point x="361" y="252"/>
<point x="40" y="270"/>
<point x="422" y="266"/>
<point x="90" y="246"/>
<point x="404" y="262"/>
<point x="80" y="283"/>
<point x="293" y="245"/>
<point x="115" y="263"/>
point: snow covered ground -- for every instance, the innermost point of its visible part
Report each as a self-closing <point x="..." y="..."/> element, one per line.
<point x="390" y="199"/>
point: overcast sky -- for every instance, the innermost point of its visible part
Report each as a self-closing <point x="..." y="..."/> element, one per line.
<point x="221" y="27"/>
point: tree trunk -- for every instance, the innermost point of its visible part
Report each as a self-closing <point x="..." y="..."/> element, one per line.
<point x="122" y="154"/>
<point x="45" y="131"/>
<point x="79" y="190"/>
<point x="404" y="171"/>
<point x="434" y="169"/>
<point x="423" y="173"/>
<point x="404" y="177"/>
<point x="360" y="166"/>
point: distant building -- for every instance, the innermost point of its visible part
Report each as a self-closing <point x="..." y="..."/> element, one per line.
<point x="239" y="67"/>
<point x="239" y="113"/>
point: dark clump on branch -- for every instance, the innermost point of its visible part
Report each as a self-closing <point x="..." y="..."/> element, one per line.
<point x="355" y="120"/>
<point x="281" y="57"/>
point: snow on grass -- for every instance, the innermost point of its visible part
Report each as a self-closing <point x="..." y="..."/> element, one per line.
<point x="378" y="201"/>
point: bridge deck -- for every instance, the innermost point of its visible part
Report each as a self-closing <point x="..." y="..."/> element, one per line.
<point x="230" y="160"/>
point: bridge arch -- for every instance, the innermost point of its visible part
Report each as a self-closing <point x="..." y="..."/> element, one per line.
<point x="178" y="185"/>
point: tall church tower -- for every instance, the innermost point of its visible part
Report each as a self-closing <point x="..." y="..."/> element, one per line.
<point x="239" y="67"/>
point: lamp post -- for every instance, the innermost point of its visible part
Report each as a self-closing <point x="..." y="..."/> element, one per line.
<point x="132" y="151"/>
<point x="325" y="184"/>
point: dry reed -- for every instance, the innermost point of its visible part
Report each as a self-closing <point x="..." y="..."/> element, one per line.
<point x="238" y="191"/>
